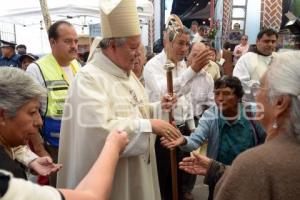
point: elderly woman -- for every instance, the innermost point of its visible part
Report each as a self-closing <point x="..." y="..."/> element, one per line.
<point x="271" y="170"/>
<point x="20" y="118"/>
<point x="227" y="126"/>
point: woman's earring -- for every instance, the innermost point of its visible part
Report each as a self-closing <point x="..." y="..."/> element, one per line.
<point x="275" y="125"/>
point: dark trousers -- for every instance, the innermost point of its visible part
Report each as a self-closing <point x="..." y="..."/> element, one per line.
<point x="184" y="180"/>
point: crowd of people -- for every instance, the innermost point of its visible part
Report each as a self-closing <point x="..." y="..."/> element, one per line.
<point x="102" y="131"/>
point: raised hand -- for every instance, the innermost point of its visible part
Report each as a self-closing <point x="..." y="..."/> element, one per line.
<point x="196" y="164"/>
<point x="44" y="166"/>
<point x="200" y="60"/>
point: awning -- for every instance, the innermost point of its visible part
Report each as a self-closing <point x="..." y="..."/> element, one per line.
<point x="77" y="14"/>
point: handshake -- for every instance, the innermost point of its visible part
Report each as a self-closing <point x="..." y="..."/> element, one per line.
<point x="170" y="135"/>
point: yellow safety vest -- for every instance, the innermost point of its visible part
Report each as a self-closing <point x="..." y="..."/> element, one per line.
<point x="57" y="84"/>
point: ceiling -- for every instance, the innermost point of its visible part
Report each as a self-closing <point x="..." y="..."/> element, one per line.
<point x="191" y="9"/>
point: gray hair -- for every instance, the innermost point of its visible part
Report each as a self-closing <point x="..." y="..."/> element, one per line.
<point x="104" y="43"/>
<point x="283" y="78"/>
<point x="16" y="89"/>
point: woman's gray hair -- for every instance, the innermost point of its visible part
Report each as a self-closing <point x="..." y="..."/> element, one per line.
<point x="16" y="89"/>
<point x="283" y="78"/>
<point x="104" y="43"/>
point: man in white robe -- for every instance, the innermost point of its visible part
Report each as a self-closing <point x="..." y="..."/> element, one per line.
<point x="106" y="95"/>
<point x="252" y="65"/>
<point x="176" y="46"/>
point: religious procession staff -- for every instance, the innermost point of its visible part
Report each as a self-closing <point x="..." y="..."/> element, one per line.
<point x="176" y="45"/>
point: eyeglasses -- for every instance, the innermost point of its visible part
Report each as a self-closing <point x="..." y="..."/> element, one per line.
<point x="244" y="39"/>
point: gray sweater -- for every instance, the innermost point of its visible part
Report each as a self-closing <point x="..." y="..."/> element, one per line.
<point x="269" y="171"/>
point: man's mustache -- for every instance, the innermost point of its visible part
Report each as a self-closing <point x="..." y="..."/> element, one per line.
<point x="73" y="51"/>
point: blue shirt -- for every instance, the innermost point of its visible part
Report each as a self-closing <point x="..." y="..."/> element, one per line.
<point x="10" y="62"/>
<point x="208" y="129"/>
<point x="235" y="138"/>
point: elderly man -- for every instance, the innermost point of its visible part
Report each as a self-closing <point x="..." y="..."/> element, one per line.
<point x="202" y="85"/>
<point x="106" y="95"/>
<point x="9" y="56"/>
<point x="139" y="64"/>
<point x="177" y="42"/>
<point x="55" y="72"/>
<point x="228" y="126"/>
<point x="257" y="173"/>
<point x="252" y="65"/>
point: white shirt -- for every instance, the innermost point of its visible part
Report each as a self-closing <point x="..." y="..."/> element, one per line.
<point x="242" y="49"/>
<point x="156" y="86"/>
<point x="202" y="92"/>
<point x="197" y="38"/>
<point x="22" y="190"/>
<point x="249" y="69"/>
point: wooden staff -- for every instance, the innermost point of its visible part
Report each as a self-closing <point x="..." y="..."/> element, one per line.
<point x="45" y="12"/>
<point x="169" y="66"/>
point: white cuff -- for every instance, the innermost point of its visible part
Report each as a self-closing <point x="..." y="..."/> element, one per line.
<point x="139" y="142"/>
<point x="24" y="155"/>
<point x="145" y="126"/>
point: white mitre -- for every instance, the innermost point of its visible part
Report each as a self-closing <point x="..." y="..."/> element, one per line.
<point x="119" y="18"/>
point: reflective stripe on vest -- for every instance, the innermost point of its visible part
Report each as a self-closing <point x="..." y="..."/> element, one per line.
<point x="57" y="88"/>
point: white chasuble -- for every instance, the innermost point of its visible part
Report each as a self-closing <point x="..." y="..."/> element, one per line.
<point x="102" y="98"/>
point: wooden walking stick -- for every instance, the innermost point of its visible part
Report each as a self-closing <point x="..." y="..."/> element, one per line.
<point x="174" y="27"/>
<point x="169" y="66"/>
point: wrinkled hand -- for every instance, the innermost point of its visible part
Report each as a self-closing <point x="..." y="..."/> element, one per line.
<point x="200" y="60"/>
<point x="198" y="164"/>
<point x="168" y="101"/>
<point x="118" y="138"/>
<point x="171" y="144"/>
<point x="164" y="129"/>
<point x="44" y="166"/>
